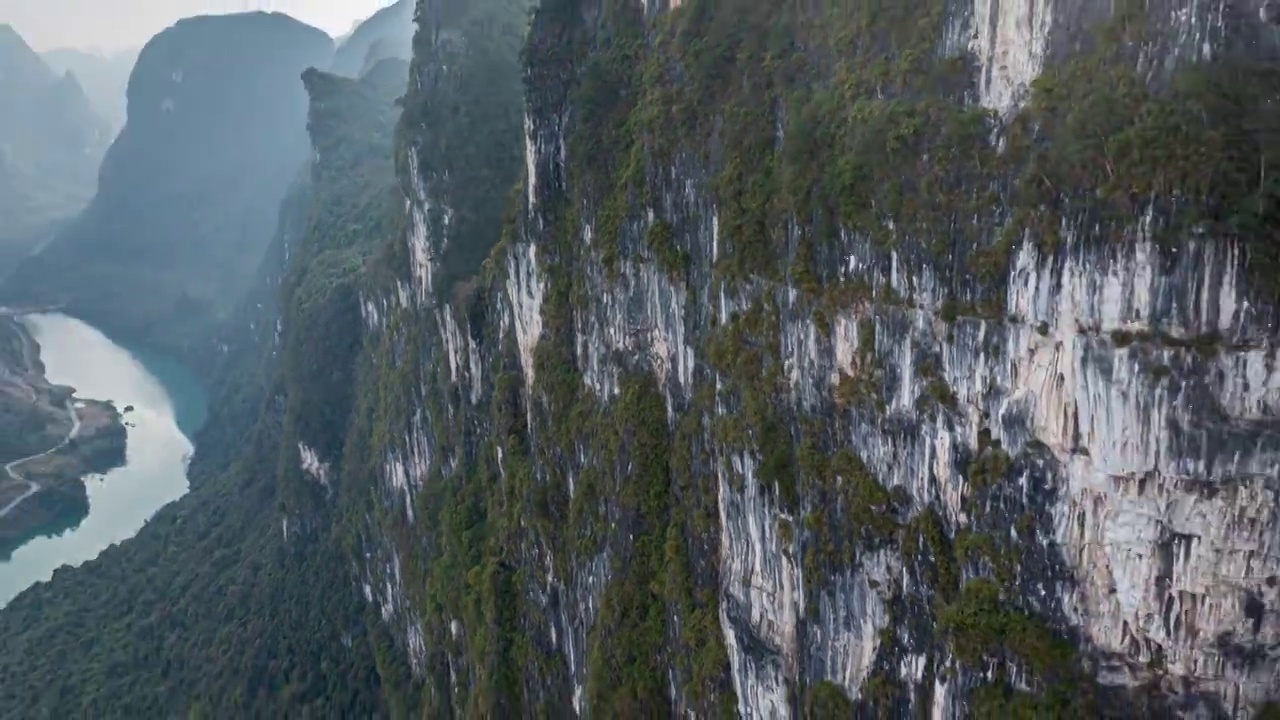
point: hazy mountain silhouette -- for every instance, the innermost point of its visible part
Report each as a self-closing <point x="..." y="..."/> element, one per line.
<point x="51" y="142"/>
<point x="190" y="190"/>
<point x="105" y="78"/>
<point x="387" y="34"/>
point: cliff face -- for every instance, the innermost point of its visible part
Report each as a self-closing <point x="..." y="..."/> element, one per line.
<point x="913" y="358"/>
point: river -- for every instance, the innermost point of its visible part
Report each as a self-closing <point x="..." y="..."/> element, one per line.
<point x="169" y="406"/>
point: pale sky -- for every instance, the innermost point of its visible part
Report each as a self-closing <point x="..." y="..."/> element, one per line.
<point x="119" y="24"/>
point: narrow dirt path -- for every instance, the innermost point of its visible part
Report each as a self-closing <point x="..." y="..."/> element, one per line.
<point x="33" y="487"/>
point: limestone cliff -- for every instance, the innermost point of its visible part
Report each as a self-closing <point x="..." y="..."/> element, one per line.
<point x="912" y="359"/>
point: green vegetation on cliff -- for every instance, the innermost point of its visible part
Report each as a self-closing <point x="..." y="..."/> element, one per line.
<point x="844" y="117"/>
<point x="832" y="118"/>
<point x="461" y="126"/>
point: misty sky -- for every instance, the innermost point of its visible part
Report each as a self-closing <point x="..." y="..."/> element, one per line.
<point x="118" y="24"/>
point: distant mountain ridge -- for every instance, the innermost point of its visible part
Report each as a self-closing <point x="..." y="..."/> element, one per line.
<point x="105" y="78"/>
<point x="190" y="190"/>
<point x="51" y="141"/>
<point x="385" y="35"/>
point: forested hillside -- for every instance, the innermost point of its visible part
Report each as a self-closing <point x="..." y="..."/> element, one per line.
<point x="217" y="607"/>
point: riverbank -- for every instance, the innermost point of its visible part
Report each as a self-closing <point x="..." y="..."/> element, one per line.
<point x="152" y="395"/>
<point x="50" y="442"/>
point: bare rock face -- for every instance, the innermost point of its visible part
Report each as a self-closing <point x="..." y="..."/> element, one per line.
<point x="1124" y="397"/>
<point x="1269" y="12"/>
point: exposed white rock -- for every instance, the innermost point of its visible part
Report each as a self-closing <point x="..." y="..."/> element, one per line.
<point x="642" y="318"/>
<point x="1164" y="462"/>
<point x="525" y="288"/>
<point x="423" y="245"/>
<point x="375" y="311"/>
<point x="1167" y="508"/>
<point x="405" y="470"/>
<point x="313" y="466"/>
<point x="463" y="356"/>
<point x="395" y="605"/>
<point x="576" y="619"/>
<point x="1169" y="516"/>
<point x="1010" y="38"/>
<point x="844" y="634"/>
<point x="531" y="154"/>
<point x="761" y="594"/>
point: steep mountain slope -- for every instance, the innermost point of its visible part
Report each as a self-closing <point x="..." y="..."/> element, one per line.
<point x="828" y="360"/>
<point x="51" y="142"/>
<point x="906" y="359"/>
<point x="269" y="617"/>
<point x="105" y="79"/>
<point x="388" y="34"/>
<point x="190" y="189"/>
